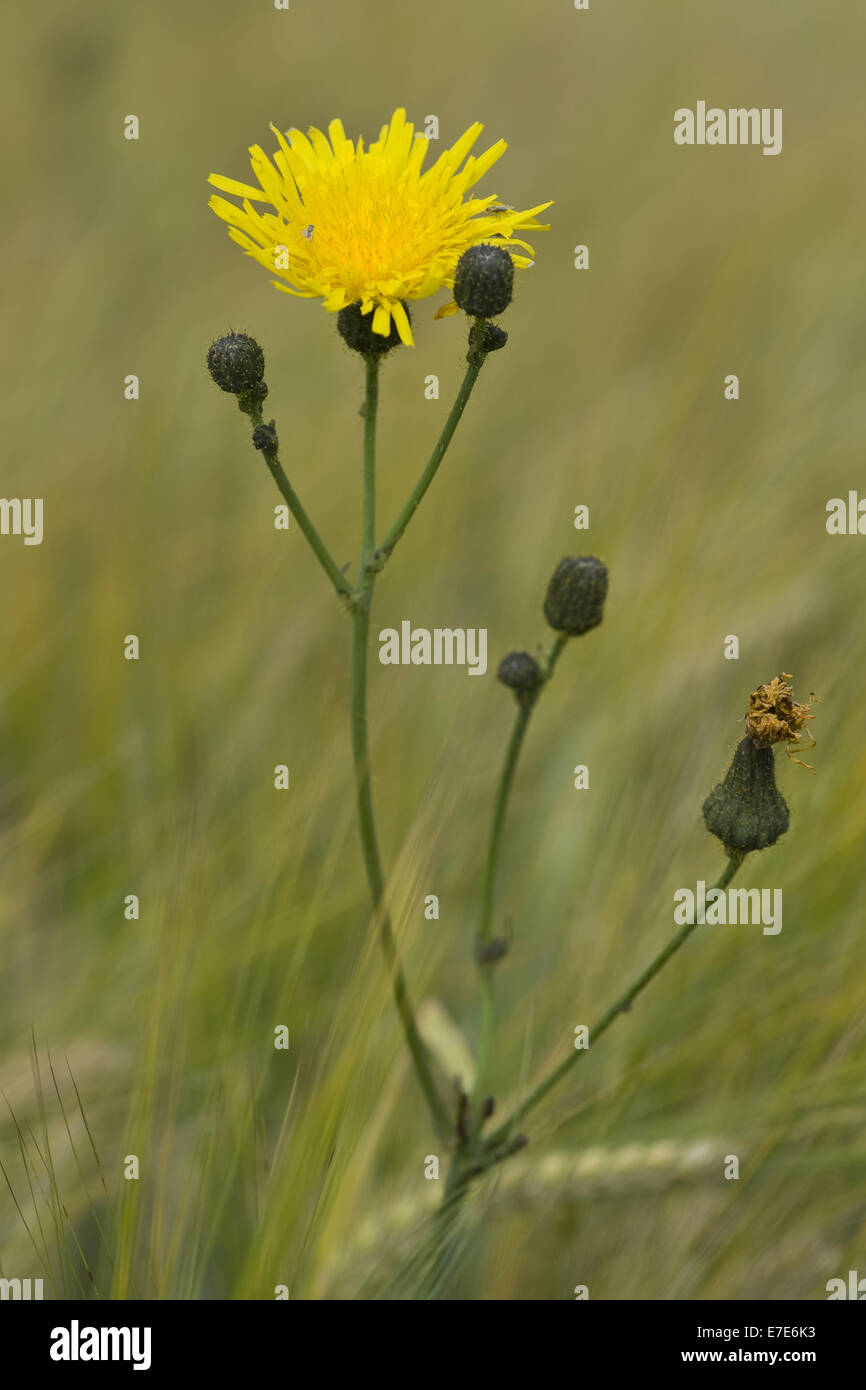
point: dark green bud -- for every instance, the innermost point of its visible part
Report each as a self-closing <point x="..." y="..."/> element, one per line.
<point x="747" y="811"/>
<point x="484" y="337"/>
<point x="522" y="674"/>
<point x="237" y="365"/>
<point x="356" y="330"/>
<point x="265" y="438"/>
<point x="576" y="594"/>
<point x="484" y="281"/>
<point x="494" y="337"/>
<point x="249" y="402"/>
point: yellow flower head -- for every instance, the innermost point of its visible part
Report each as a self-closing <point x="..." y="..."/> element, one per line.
<point x="351" y="225"/>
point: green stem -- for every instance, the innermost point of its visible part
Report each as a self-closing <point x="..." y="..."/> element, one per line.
<point x="500" y="806"/>
<point x="298" y="511"/>
<point x="487" y="966"/>
<point x="476" y="362"/>
<point x="368" y="526"/>
<point x="503" y="793"/>
<point x="360" y="749"/>
<point x="491" y="865"/>
<point x="621" y="1006"/>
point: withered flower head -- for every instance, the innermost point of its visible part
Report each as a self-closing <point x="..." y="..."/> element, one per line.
<point x="774" y="716"/>
<point x="747" y="811"/>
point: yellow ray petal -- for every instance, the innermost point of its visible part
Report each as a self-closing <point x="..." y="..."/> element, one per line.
<point x="241" y="190"/>
<point x="382" y="320"/>
<point x="401" y="318"/>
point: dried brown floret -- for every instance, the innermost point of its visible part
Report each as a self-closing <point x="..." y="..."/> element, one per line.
<point x="774" y="716"/>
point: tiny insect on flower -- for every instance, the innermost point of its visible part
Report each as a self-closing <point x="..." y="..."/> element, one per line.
<point x="386" y="230"/>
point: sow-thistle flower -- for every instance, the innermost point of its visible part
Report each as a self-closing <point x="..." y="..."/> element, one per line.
<point x="484" y="281"/>
<point x="236" y="363"/>
<point x="370" y="226"/>
<point x="574" y="603"/>
<point x="747" y="811"/>
<point x="522" y="674"/>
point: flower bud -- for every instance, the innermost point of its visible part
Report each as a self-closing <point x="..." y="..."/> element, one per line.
<point x="576" y="594"/>
<point x="237" y="365"/>
<point x="494" y="337"/>
<point x="522" y="674"/>
<point x="356" y="330"/>
<point x="265" y="438"/>
<point x="484" y="281"/>
<point x="747" y="811"/>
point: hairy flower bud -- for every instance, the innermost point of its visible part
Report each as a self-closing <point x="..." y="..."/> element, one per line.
<point x="576" y="594"/>
<point x="484" y="281"/>
<point x="265" y="438"/>
<point x="356" y="330"/>
<point x="494" y="337"/>
<point x="522" y="674"/>
<point x="237" y="365"/>
<point x="747" y="811"/>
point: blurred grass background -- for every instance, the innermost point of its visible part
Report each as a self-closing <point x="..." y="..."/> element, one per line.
<point x="305" y="1167"/>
